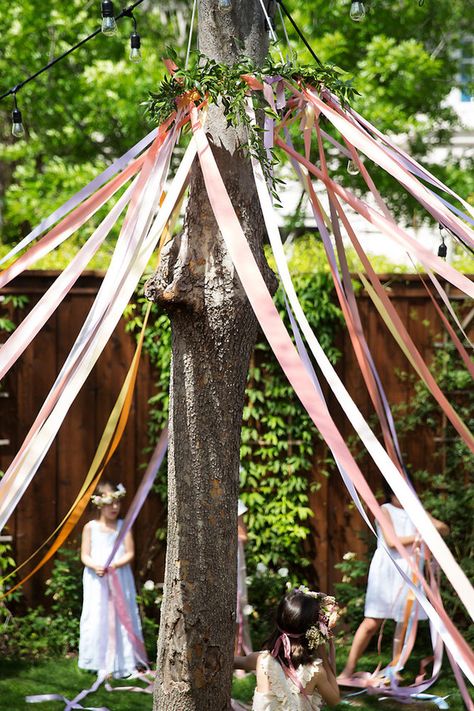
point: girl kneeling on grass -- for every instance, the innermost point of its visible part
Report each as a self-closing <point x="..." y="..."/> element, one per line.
<point x="296" y="672"/>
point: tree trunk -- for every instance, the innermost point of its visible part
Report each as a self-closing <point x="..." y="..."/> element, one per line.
<point x="214" y="330"/>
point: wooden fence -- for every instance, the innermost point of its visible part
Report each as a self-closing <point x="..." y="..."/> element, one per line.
<point x="336" y="524"/>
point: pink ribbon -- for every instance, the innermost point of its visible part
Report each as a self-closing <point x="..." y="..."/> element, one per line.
<point x="279" y="340"/>
<point x="289" y="671"/>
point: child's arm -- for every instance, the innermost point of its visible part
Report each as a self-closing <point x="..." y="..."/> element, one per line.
<point x="326" y="682"/>
<point x="441" y="527"/>
<point x="86" y="552"/>
<point x="241" y="530"/>
<point x="129" y="554"/>
<point x="326" y="685"/>
<point x="247" y="663"/>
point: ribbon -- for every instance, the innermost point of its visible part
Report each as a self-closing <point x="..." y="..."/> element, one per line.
<point x="29" y="327"/>
<point x="278" y="338"/>
<point x="94" y="335"/>
<point x="116" y="167"/>
<point x="107" y="446"/>
<point x="289" y="671"/>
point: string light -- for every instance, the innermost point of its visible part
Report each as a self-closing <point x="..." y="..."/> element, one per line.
<point x="135" y="41"/>
<point x="357" y="12"/>
<point x="352" y="168"/>
<point x="109" y="25"/>
<point x="442" y="249"/>
<point x="18" y="130"/>
<point x="107" y="12"/>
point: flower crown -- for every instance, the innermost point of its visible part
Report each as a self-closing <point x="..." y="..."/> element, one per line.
<point x="100" y="500"/>
<point x="321" y="632"/>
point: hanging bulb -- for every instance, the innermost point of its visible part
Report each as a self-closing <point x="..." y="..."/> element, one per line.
<point x="18" y="130"/>
<point x="357" y="12"/>
<point x="224" y="5"/>
<point x="109" y="26"/>
<point x="352" y="168"/>
<point x="135" y="44"/>
<point x="442" y="249"/>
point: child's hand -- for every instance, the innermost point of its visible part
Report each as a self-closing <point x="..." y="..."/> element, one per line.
<point x="100" y="571"/>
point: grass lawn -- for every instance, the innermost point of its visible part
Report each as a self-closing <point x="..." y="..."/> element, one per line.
<point x="61" y="676"/>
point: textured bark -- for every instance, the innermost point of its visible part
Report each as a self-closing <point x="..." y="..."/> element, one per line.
<point x="214" y="331"/>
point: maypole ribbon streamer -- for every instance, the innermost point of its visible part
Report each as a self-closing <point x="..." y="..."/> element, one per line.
<point x="281" y="343"/>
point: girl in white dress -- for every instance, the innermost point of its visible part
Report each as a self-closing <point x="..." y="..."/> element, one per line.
<point x="111" y="640"/>
<point x="386" y="590"/>
<point x="295" y="672"/>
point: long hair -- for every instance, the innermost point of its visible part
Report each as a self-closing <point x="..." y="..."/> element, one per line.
<point x="296" y="613"/>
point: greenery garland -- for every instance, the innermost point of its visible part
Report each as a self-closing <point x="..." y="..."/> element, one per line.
<point x="216" y="83"/>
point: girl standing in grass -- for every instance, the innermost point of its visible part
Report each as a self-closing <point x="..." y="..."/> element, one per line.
<point x="111" y="640"/>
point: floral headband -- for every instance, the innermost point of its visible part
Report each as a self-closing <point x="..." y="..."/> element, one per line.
<point x="321" y="632"/>
<point x="100" y="500"/>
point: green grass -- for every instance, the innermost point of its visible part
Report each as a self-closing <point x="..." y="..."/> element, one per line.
<point x="61" y="676"/>
<point x="242" y="689"/>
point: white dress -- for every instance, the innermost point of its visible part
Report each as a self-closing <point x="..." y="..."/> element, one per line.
<point x="386" y="590"/>
<point x="99" y="648"/>
<point x="284" y="694"/>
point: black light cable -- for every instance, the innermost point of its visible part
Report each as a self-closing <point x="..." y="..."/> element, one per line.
<point x="301" y="35"/>
<point x="125" y="13"/>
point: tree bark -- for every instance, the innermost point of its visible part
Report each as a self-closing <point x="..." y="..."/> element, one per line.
<point x="213" y="334"/>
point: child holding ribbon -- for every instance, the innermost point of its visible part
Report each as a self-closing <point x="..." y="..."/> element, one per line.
<point x="111" y="640"/>
<point x="296" y="672"/>
<point x="387" y="593"/>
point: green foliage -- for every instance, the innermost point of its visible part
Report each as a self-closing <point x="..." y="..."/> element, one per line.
<point x="64" y="587"/>
<point x="149" y="599"/>
<point x="278" y="438"/>
<point x="265" y="588"/>
<point x="55" y="632"/>
<point x="8" y="304"/>
<point x="226" y="85"/>
<point x="83" y="112"/>
<point x="350" y="591"/>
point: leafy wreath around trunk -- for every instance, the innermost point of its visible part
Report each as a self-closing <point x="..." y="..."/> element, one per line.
<point x="228" y="86"/>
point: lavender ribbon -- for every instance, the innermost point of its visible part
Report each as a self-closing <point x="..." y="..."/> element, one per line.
<point x="142" y="492"/>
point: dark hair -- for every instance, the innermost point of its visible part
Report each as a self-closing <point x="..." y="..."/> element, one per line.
<point x="387" y="490"/>
<point x="296" y="613"/>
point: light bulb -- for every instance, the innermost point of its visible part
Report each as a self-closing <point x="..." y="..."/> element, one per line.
<point x="357" y="12"/>
<point x="109" y="26"/>
<point x="224" y="5"/>
<point x="135" y="52"/>
<point x="18" y="130"/>
<point x="442" y="250"/>
<point x="352" y="168"/>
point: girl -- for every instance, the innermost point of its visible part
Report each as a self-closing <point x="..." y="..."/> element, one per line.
<point x="386" y="590"/>
<point x="111" y="640"/>
<point x="295" y="672"/>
